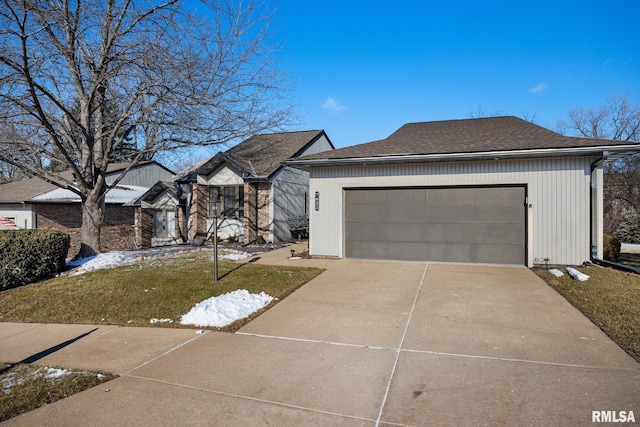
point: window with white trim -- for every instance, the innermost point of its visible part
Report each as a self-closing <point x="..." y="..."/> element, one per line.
<point x="164" y="223"/>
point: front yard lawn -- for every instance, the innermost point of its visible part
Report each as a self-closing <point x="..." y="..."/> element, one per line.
<point x="134" y="294"/>
<point x="610" y="299"/>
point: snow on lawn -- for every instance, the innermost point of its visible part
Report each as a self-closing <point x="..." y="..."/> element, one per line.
<point x="217" y="311"/>
<point x="556" y="272"/>
<point x="115" y="258"/>
<point x="235" y="256"/>
<point x="576" y="275"/>
<point x="11" y="380"/>
<point x="104" y="260"/>
<point x="225" y="309"/>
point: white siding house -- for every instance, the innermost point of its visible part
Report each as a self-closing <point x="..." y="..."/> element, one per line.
<point x="559" y="177"/>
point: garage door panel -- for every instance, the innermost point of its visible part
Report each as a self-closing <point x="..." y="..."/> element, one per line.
<point x="445" y="196"/>
<point x="503" y="213"/>
<point x="499" y="195"/>
<point x="442" y="214"/>
<point x="483" y="224"/>
<point x="405" y="213"/>
<point x="406" y="196"/>
<point x="365" y="213"/>
<point x="436" y="233"/>
<point x="364" y="197"/>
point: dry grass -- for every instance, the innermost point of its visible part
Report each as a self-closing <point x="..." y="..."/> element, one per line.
<point x="610" y="299"/>
<point x="133" y="295"/>
<point x="26" y="387"/>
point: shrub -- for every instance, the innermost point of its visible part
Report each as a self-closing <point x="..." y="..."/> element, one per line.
<point x="629" y="230"/>
<point x="298" y="226"/>
<point x="30" y="255"/>
<point x="611" y="249"/>
<point x="232" y="239"/>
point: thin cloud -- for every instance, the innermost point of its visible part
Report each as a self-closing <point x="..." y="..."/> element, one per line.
<point x="332" y="106"/>
<point x="540" y="87"/>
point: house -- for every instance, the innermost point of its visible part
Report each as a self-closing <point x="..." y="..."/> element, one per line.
<point x="34" y="203"/>
<point x="491" y="190"/>
<point x="247" y="188"/>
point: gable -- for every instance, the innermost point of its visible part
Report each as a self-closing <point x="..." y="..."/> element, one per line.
<point x="164" y="201"/>
<point x="221" y="177"/>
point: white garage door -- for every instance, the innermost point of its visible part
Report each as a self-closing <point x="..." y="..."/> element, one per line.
<point x="451" y="224"/>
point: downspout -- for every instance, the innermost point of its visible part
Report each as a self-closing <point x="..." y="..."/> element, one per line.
<point x="593" y="181"/>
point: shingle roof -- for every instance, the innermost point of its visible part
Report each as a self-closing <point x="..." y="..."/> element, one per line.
<point x="20" y="191"/>
<point x="259" y="156"/>
<point x="463" y="136"/>
<point x="263" y="154"/>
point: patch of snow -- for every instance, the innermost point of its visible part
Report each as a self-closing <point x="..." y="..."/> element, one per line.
<point x="576" y="275"/>
<point x="235" y="256"/>
<point x="103" y="260"/>
<point x="8" y="382"/>
<point x="55" y="373"/>
<point x="225" y="309"/>
<point x="556" y="272"/>
<point x="154" y="320"/>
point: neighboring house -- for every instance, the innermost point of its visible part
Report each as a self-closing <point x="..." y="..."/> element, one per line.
<point x="34" y="203"/>
<point x="246" y="187"/>
<point x="491" y="190"/>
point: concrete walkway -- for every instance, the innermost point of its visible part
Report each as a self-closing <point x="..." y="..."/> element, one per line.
<point x="365" y="343"/>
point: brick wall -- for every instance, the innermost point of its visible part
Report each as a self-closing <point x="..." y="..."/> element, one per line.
<point x="117" y="233"/>
<point x="145" y="227"/>
<point x="259" y="206"/>
<point x="199" y="211"/>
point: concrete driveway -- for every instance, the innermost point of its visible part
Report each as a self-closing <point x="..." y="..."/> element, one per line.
<point x="370" y="343"/>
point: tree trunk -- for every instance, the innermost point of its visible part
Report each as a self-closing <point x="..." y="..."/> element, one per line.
<point x="92" y="217"/>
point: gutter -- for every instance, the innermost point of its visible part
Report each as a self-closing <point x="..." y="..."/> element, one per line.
<point x="599" y="161"/>
<point x="485" y="155"/>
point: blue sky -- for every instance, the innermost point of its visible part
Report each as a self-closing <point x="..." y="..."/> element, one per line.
<point x="362" y="69"/>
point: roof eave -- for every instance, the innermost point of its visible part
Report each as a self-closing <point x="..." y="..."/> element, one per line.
<point x="620" y="150"/>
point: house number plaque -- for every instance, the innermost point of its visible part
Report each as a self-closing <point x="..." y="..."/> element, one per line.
<point x="317" y="200"/>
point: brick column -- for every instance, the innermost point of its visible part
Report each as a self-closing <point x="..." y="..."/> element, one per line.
<point x="199" y="211"/>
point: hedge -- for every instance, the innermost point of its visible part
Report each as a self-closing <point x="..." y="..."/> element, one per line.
<point x="30" y="255"/>
<point x="611" y="249"/>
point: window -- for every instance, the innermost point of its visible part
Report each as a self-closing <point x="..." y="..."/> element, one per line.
<point x="164" y="223"/>
<point x="227" y="201"/>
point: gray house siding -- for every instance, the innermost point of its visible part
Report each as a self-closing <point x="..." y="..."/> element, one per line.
<point x="143" y="175"/>
<point x="558" y="211"/>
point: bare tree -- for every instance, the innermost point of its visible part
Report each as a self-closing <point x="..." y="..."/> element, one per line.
<point x="79" y="79"/>
<point x="9" y="172"/>
<point x="618" y="118"/>
<point x="481" y="112"/>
